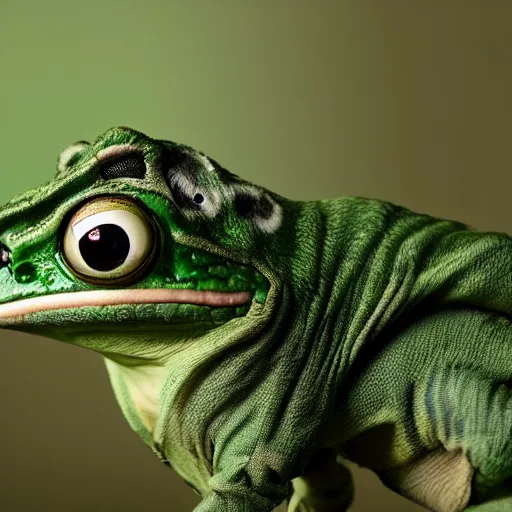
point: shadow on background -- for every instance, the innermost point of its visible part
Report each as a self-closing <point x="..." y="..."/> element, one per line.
<point x="401" y="101"/>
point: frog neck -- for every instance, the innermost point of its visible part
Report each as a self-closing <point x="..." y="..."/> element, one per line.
<point x="138" y="389"/>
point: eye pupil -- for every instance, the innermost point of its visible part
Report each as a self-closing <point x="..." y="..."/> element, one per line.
<point x="199" y="198"/>
<point x="105" y="247"/>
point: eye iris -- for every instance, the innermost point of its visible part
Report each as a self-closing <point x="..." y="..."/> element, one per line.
<point x="105" y="247"/>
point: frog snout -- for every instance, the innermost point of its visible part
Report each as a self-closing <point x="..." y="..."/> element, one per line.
<point x="5" y="255"/>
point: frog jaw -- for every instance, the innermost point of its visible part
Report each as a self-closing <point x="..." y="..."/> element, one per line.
<point x="190" y="295"/>
<point x="135" y="325"/>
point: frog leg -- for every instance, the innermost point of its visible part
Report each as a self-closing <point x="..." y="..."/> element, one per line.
<point x="325" y="486"/>
<point x="439" y="481"/>
<point x="464" y="410"/>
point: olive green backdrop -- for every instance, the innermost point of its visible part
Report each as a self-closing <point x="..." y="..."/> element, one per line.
<point x="406" y="101"/>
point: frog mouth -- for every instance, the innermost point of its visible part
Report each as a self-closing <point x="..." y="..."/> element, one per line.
<point x="81" y="299"/>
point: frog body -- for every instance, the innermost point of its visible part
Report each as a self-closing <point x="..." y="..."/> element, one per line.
<point x="244" y="332"/>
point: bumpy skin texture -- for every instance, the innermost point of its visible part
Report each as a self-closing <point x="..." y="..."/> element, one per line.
<point x="360" y="330"/>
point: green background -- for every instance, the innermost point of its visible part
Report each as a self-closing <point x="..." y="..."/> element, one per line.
<point x="406" y="101"/>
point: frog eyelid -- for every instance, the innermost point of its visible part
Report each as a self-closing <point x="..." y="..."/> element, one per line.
<point x="85" y="225"/>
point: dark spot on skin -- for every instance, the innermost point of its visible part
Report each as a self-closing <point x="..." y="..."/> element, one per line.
<point x="182" y="200"/>
<point x="178" y="159"/>
<point x="249" y="206"/>
<point x="25" y="273"/>
<point x="126" y="166"/>
<point x="199" y="198"/>
<point x="265" y="209"/>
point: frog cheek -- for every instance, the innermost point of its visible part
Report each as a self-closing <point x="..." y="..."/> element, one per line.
<point x="110" y="246"/>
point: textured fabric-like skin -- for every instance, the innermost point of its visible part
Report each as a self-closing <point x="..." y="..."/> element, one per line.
<point x="383" y="335"/>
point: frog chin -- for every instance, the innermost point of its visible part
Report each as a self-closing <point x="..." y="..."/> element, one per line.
<point x="68" y="300"/>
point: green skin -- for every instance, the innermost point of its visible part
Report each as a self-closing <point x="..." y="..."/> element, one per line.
<point x="367" y="331"/>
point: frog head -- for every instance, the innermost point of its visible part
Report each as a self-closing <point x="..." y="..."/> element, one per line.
<point x="192" y="283"/>
<point x="139" y="245"/>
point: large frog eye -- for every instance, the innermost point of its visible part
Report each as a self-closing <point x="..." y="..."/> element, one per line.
<point x="108" y="240"/>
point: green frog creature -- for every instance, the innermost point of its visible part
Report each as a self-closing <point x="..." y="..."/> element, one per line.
<point x="255" y="342"/>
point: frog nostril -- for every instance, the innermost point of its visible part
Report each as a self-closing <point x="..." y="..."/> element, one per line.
<point x="25" y="273"/>
<point x="5" y="256"/>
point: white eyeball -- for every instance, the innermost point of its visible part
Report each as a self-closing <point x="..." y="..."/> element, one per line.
<point x="108" y="239"/>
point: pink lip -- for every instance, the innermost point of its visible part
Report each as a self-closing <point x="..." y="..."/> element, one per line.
<point x="119" y="297"/>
